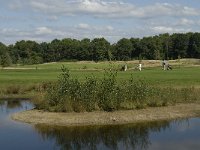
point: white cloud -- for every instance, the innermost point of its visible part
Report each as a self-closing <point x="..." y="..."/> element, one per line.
<point x="48" y="19"/>
<point x="102" y="8"/>
<point x="94" y="28"/>
<point x="186" y="22"/>
<point x="43" y="30"/>
<point x="109" y="28"/>
<point x="162" y="29"/>
<point x="43" y="33"/>
<point x="168" y="29"/>
<point x="83" y="26"/>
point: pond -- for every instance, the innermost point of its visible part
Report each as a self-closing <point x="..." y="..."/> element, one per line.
<point x="181" y="134"/>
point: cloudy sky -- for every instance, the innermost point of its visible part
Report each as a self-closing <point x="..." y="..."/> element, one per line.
<point x="45" y="20"/>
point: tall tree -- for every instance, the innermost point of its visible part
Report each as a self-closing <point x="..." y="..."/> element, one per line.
<point x="100" y="49"/>
<point x="5" y="59"/>
<point x="123" y="49"/>
<point x="194" y="46"/>
<point x="84" y="50"/>
<point x="180" y="44"/>
<point x="136" y="49"/>
<point x="27" y="51"/>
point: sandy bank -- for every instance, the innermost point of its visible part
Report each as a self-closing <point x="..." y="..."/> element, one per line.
<point x="107" y="118"/>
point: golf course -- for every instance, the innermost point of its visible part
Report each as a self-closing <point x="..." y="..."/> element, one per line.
<point x="184" y="73"/>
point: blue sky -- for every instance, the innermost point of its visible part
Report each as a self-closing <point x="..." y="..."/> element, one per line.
<point x="45" y="20"/>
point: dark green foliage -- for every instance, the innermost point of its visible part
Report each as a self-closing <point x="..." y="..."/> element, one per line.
<point x="90" y="96"/>
<point x="108" y="94"/>
<point x="163" y="46"/>
<point x="5" y="59"/>
<point x="123" y="49"/>
<point x="100" y="49"/>
<point x="194" y="46"/>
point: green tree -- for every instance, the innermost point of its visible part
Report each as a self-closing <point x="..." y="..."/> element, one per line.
<point x="136" y="50"/>
<point x="150" y="47"/>
<point x="123" y="49"/>
<point x="194" y="46"/>
<point x="26" y="50"/>
<point x="180" y="44"/>
<point x="84" y="50"/>
<point x="5" y="60"/>
<point x="100" y="49"/>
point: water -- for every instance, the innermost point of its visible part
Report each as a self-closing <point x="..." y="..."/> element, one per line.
<point x="182" y="134"/>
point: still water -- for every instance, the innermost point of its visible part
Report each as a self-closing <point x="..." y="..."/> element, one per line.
<point x="174" y="135"/>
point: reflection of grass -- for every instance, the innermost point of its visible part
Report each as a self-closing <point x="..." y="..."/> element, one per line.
<point x="13" y="104"/>
<point x="1" y="102"/>
<point x="111" y="137"/>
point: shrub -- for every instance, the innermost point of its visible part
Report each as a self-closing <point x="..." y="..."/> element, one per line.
<point x="68" y="94"/>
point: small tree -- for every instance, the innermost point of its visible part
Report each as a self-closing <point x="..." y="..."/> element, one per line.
<point x="5" y="60"/>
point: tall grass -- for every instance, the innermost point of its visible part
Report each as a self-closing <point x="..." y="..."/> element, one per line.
<point x="108" y="94"/>
<point x="18" y="89"/>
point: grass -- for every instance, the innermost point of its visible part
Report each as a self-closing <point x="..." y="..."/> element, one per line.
<point x="26" y="77"/>
<point x="188" y="76"/>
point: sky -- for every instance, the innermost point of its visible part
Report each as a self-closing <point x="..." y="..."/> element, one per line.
<point x="45" y="20"/>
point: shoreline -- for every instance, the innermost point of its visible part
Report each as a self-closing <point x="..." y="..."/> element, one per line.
<point x="179" y="111"/>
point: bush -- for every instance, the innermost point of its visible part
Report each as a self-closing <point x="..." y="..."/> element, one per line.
<point x="108" y="94"/>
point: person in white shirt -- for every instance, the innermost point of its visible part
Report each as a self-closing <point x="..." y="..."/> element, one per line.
<point x="140" y="67"/>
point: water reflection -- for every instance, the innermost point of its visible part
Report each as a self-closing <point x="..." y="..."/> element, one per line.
<point x="11" y="104"/>
<point x="17" y="135"/>
<point x="1" y="102"/>
<point x="112" y="137"/>
<point x="173" y="135"/>
<point x="14" y="104"/>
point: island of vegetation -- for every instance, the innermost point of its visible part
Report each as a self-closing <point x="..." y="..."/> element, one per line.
<point x="109" y="101"/>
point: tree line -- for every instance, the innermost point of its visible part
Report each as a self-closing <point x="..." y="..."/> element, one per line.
<point x="163" y="46"/>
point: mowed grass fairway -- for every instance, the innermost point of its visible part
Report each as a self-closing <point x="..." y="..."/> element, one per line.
<point x="183" y="74"/>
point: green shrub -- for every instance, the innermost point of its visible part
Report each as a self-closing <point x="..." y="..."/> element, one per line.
<point x="68" y="94"/>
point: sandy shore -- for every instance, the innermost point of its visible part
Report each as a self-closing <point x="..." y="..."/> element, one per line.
<point x="106" y="118"/>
